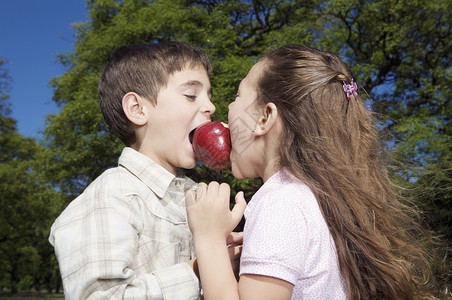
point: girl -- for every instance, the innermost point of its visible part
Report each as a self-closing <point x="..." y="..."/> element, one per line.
<point x="326" y="223"/>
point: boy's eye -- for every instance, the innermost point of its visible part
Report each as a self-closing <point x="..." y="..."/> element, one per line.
<point x="191" y="97"/>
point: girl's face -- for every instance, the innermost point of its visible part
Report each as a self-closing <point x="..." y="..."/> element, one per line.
<point x="242" y="118"/>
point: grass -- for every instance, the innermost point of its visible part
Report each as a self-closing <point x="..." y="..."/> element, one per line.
<point x="31" y="295"/>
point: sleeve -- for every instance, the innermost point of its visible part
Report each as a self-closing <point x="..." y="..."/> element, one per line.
<point x="96" y="242"/>
<point x="275" y="238"/>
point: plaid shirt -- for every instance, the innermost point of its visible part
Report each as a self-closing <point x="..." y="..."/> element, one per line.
<point x="126" y="236"/>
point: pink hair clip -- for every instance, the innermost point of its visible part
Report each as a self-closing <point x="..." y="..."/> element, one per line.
<point x="350" y="88"/>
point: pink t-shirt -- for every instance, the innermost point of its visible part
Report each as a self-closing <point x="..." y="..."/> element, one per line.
<point x="286" y="237"/>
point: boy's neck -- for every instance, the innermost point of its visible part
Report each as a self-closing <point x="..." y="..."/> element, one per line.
<point x="170" y="168"/>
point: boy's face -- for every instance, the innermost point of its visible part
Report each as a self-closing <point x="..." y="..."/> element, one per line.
<point x="182" y="105"/>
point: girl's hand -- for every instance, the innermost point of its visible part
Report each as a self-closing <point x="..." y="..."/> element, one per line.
<point x="208" y="212"/>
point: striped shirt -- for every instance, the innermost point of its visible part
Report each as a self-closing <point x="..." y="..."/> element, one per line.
<point x="126" y="236"/>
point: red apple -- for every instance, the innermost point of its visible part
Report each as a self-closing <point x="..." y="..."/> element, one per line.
<point x="212" y="145"/>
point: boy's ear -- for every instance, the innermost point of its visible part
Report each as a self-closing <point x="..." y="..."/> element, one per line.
<point x="267" y="120"/>
<point x="134" y="108"/>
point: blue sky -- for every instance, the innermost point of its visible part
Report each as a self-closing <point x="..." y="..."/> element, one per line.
<point x="32" y="32"/>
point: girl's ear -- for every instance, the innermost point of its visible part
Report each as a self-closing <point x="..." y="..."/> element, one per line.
<point x="267" y="120"/>
<point x="135" y="109"/>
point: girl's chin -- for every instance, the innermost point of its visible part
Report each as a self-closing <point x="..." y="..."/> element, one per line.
<point x="235" y="171"/>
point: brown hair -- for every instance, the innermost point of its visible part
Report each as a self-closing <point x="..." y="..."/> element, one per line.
<point x="331" y="144"/>
<point x="143" y="69"/>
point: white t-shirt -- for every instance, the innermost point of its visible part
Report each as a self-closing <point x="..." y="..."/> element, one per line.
<point x="286" y="237"/>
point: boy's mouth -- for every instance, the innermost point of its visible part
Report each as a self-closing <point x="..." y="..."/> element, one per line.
<point x="190" y="135"/>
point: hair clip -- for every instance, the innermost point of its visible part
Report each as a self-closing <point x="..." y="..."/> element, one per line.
<point x="350" y="88"/>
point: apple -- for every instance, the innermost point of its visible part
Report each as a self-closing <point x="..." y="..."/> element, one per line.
<point x="212" y="145"/>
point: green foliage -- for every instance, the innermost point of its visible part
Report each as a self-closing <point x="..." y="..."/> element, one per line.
<point x="233" y="33"/>
<point x="28" y="206"/>
<point x="399" y="52"/>
<point x="4" y="88"/>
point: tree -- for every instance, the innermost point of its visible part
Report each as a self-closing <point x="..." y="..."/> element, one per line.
<point x="399" y="52"/>
<point x="4" y="88"/>
<point x="27" y="205"/>
<point x="77" y="138"/>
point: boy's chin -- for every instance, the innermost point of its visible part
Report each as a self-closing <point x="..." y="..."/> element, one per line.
<point x="189" y="164"/>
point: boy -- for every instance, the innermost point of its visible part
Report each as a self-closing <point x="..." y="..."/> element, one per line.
<point x="127" y="236"/>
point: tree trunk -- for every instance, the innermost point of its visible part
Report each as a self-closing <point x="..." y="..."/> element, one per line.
<point x="14" y="276"/>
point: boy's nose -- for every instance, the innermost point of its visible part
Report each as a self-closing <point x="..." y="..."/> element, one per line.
<point x="208" y="107"/>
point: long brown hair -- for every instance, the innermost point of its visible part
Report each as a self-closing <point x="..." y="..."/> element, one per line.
<point x="331" y="144"/>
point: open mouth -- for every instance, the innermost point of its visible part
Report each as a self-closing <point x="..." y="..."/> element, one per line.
<point x="190" y="136"/>
<point x="192" y="133"/>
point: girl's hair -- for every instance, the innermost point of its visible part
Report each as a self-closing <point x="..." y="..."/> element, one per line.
<point x="143" y="69"/>
<point x="330" y="143"/>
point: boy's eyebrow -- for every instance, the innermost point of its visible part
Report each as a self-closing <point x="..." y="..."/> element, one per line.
<point x="191" y="83"/>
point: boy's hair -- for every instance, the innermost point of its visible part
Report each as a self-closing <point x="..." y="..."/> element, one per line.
<point x="331" y="144"/>
<point x="143" y="69"/>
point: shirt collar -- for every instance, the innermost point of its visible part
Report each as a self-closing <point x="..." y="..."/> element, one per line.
<point x="157" y="178"/>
